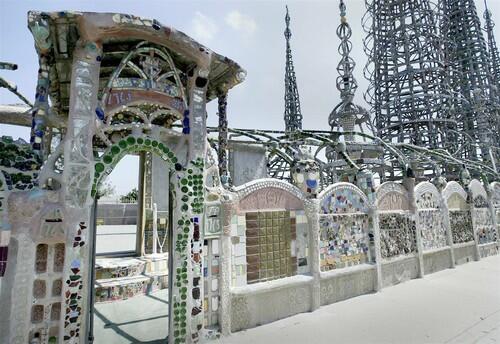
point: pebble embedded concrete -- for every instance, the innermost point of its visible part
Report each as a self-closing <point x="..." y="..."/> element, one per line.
<point x="460" y="305"/>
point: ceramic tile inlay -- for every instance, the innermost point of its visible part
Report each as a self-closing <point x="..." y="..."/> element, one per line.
<point x="344" y="240"/>
<point x="269" y="235"/>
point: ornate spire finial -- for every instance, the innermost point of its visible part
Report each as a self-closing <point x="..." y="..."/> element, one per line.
<point x="288" y="33"/>
<point x="293" y="115"/>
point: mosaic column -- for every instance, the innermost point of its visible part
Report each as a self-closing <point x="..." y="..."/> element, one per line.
<point x="312" y="209"/>
<point x="228" y="207"/>
<point x="41" y="32"/>
<point x="186" y="320"/>
<point x="40" y="109"/>
<point x="409" y="184"/>
<point x="222" y="152"/>
<point x="378" y="254"/>
<point x="78" y="176"/>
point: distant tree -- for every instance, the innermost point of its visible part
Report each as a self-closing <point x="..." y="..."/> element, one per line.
<point x="105" y="189"/>
<point x="130" y="197"/>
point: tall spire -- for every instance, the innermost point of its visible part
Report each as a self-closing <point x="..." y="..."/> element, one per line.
<point x="346" y="115"/>
<point x="293" y="115"/>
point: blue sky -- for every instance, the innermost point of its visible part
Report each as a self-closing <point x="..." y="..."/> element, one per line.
<point x="249" y="32"/>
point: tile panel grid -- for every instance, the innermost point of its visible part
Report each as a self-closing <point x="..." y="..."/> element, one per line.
<point x="269" y="238"/>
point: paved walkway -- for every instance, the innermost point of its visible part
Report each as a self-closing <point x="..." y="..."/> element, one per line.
<point x="459" y="305"/>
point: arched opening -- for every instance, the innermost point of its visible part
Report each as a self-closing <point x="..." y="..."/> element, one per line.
<point x="142" y="279"/>
<point x="118" y="211"/>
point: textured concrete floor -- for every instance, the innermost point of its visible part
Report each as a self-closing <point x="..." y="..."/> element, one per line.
<point x="459" y="305"/>
<point x="141" y="319"/>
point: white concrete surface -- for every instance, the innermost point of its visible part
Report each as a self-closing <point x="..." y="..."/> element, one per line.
<point x="460" y="305"/>
<point x="115" y="238"/>
<point x="141" y="319"/>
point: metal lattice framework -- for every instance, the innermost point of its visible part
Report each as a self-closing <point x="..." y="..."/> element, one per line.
<point x="293" y="115"/>
<point x="408" y="90"/>
<point x="494" y="59"/>
<point x="467" y="59"/>
<point x="492" y="46"/>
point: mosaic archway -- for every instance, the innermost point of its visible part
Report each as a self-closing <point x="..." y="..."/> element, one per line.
<point x="187" y="288"/>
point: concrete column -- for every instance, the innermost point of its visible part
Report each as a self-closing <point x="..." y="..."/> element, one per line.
<point x="378" y="253"/>
<point x="409" y="184"/>
<point x="312" y="208"/>
<point x="141" y="204"/>
<point x="472" y="209"/>
<point x="492" y="209"/>
<point x="446" y="224"/>
<point x="228" y="207"/>
<point x="78" y="176"/>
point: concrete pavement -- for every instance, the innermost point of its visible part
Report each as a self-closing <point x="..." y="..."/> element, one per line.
<point x="459" y="305"/>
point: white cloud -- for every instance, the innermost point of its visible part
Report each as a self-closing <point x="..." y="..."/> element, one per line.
<point x="241" y="22"/>
<point x="203" y="28"/>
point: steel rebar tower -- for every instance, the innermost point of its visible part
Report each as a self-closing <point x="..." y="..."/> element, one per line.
<point x="494" y="59"/>
<point x="408" y="91"/>
<point x="466" y="57"/>
<point x="293" y="115"/>
<point x="492" y="46"/>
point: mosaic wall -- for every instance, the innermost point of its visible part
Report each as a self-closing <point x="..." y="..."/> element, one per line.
<point x="397" y="234"/>
<point x="485" y="230"/>
<point x="269" y="236"/>
<point x="461" y="226"/>
<point x="344" y="241"/>
<point x="430" y="217"/>
<point x="483" y="221"/>
<point x="344" y="227"/>
<point x="18" y="164"/>
<point x="19" y="167"/>
<point x="432" y="229"/>
<point x="47" y="295"/>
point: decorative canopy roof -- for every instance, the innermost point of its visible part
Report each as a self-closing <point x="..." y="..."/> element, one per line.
<point x="56" y="35"/>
